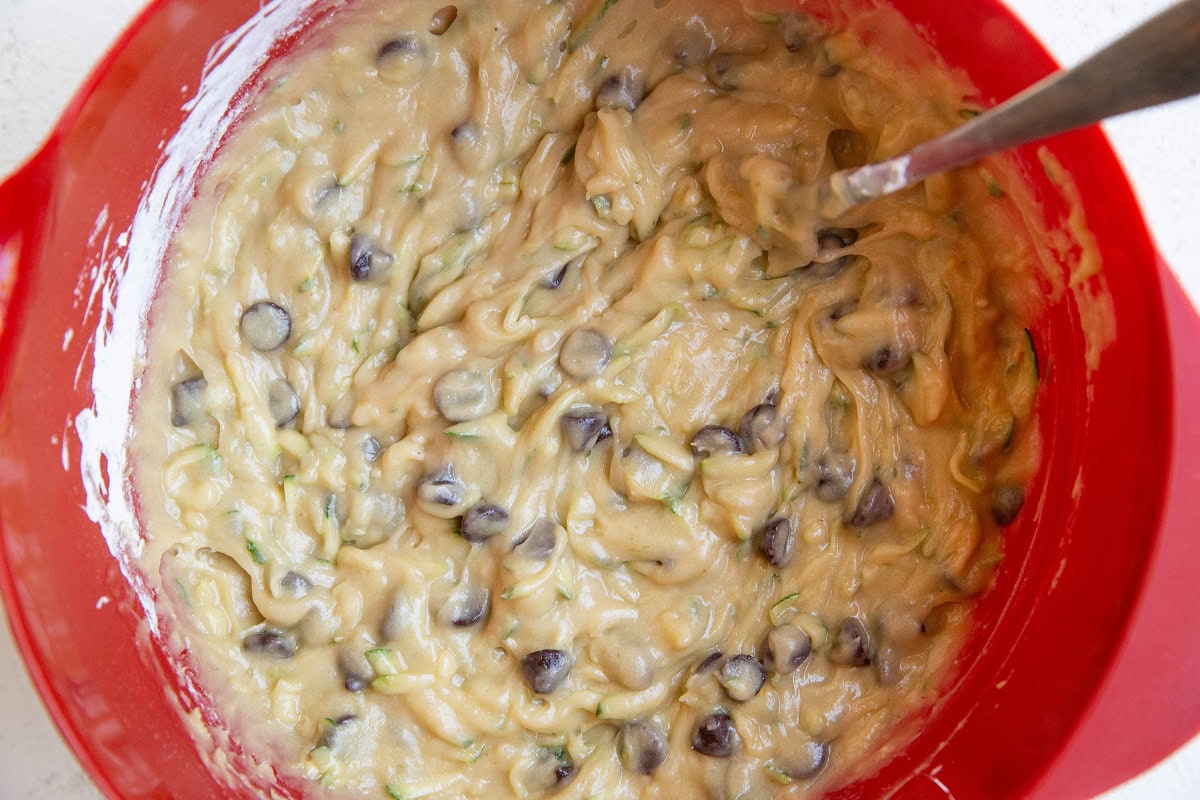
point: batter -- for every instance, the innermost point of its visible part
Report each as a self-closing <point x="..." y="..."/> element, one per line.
<point x="494" y="441"/>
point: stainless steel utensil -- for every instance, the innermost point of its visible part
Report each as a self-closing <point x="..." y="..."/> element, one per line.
<point x="1155" y="63"/>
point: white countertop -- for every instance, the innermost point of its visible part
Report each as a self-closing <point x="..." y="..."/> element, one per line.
<point x="48" y="46"/>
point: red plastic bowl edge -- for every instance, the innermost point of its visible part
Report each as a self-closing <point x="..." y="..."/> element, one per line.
<point x="1123" y="731"/>
<point x="1150" y="664"/>
<point x="22" y="196"/>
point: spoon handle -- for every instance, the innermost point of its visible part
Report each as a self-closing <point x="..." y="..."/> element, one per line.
<point x="1155" y="63"/>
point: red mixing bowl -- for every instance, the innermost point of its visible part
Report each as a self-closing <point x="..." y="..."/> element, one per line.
<point x="1080" y="672"/>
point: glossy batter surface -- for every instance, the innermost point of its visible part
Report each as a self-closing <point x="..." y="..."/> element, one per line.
<point x="495" y="442"/>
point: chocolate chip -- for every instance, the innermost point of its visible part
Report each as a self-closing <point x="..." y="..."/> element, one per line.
<point x="403" y="46"/>
<point x="295" y="584"/>
<point x="283" y="402"/>
<point x="187" y="401"/>
<point x="641" y="747"/>
<point x="852" y="646"/>
<point x="270" y="642"/>
<point x="468" y="606"/>
<point x="875" y="505"/>
<point x="585" y="353"/>
<point x="538" y="542"/>
<point x="266" y="326"/>
<point x="785" y="648"/>
<point x="368" y="259"/>
<point x="545" y="670"/>
<point x="483" y="521"/>
<point x="1006" y="504"/>
<point x="462" y="395"/>
<point x="777" y="541"/>
<point x="715" y="736"/>
<point x="888" y="361"/>
<point x="584" y="429"/>
<point x="622" y="90"/>
<point x="712" y="440"/>
<point x="834" y="476"/>
<point x="742" y="677"/>
<point x="761" y="428"/>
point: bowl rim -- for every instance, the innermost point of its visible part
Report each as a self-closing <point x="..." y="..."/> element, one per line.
<point x="31" y="179"/>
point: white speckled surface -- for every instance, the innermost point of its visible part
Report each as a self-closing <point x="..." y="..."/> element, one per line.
<point x="48" y="46"/>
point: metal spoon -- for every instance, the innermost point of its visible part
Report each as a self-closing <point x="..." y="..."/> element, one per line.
<point x="1155" y="63"/>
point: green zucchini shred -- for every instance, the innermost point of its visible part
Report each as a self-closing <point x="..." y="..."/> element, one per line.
<point x="584" y="33"/>
<point x="255" y="553"/>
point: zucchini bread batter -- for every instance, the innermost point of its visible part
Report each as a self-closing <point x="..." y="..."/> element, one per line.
<point x="498" y="441"/>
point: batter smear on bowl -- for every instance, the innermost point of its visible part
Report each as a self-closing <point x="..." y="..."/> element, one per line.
<point x="493" y="443"/>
